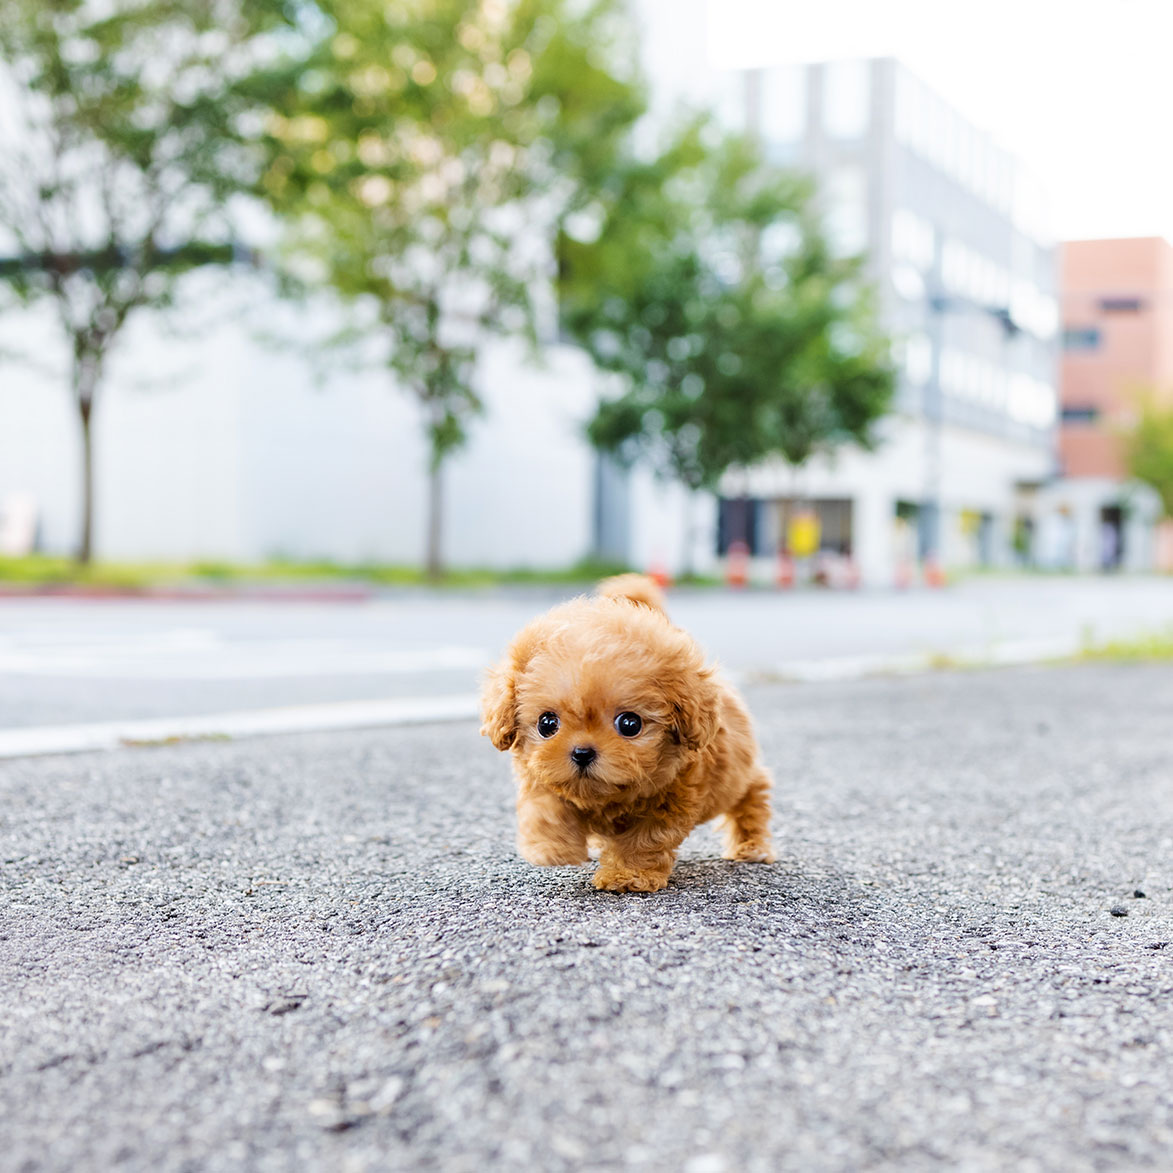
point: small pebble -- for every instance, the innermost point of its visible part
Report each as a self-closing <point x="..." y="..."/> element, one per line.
<point x="1118" y="910"/>
<point x="1138" y="894"/>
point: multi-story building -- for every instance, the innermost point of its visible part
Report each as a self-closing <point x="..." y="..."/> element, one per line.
<point x="965" y="276"/>
<point x="1117" y="299"/>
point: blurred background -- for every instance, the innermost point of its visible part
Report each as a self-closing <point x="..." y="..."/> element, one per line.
<point x="334" y="295"/>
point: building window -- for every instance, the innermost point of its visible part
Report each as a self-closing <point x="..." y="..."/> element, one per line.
<point x="917" y="359"/>
<point x="846" y="99"/>
<point x="846" y="199"/>
<point x="956" y="266"/>
<point x="1121" y="305"/>
<point x="913" y="239"/>
<point x="1073" y="414"/>
<point x="738" y="520"/>
<point x="1081" y="338"/>
<point x="783" y="105"/>
<point x="1033" y="310"/>
<point x="1031" y="401"/>
<point x="907" y="109"/>
<point x="732" y="100"/>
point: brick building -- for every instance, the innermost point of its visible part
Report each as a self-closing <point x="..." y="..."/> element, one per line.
<point x="1117" y="310"/>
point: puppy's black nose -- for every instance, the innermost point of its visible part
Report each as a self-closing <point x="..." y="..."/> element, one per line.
<point x="583" y="755"/>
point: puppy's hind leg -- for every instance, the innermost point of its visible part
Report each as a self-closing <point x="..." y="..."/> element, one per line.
<point x="747" y="823"/>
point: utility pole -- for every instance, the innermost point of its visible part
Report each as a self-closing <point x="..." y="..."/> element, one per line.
<point x="934" y="411"/>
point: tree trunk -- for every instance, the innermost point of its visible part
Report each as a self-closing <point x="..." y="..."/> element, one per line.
<point x="686" y="563"/>
<point x="85" y="550"/>
<point x="434" y="559"/>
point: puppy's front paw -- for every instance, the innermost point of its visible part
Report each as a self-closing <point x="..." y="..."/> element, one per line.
<point x="552" y="855"/>
<point x="615" y="879"/>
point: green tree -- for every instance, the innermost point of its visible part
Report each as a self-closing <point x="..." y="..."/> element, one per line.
<point x="421" y="157"/>
<point x="702" y="279"/>
<point x="1149" y="449"/>
<point x="118" y="152"/>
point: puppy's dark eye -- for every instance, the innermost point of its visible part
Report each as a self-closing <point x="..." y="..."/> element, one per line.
<point x="548" y="724"/>
<point x="628" y="724"/>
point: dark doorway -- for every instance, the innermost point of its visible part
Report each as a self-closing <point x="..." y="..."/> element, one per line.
<point x="1111" y="537"/>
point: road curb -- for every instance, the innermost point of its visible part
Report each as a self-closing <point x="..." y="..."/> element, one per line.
<point x="44" y="740"/>
<point x="1000" y="655"/>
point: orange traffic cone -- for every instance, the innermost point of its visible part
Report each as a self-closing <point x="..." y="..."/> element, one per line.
<point x="785" y="570"/>
<point x="737" y="564"/>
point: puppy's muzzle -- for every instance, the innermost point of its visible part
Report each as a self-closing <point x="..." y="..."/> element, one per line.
<point x="583" y="755"/>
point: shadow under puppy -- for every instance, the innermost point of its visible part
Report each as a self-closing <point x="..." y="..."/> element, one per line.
<point x="621" y="733"/>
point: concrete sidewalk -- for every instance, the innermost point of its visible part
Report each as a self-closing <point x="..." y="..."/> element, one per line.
<point x="320" y="951"/>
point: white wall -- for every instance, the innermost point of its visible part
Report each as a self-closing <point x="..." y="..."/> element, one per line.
<point x="219" y="446"/>
<point x="522" y="493"/>
<point x="167" y="444"/>
<point x="332" y="460"/>
<point x="671" y="530"/>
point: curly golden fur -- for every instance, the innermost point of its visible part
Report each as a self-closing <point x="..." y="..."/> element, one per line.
<point x="578" y="669"/>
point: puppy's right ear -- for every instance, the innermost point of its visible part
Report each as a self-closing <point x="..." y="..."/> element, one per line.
<point x="499" y="705"/>
<point x="499" y="698"/>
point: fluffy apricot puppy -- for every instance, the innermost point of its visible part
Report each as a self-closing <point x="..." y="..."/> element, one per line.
<point x="621" y="733"/>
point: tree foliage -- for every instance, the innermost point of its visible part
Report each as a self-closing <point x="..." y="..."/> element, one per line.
<point x="422" y="154"/>
<point x="703" y="281"/>
<point x="119" y="147"/>
<point x="1149" y="449"/>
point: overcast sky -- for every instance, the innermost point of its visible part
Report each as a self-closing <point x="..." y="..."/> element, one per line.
<point x="1081" y="91"/>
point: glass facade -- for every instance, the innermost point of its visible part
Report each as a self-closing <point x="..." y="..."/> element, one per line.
<point x="847" y="99"/>
<point x="963" y="255"/>
<point x="930" y="128"/>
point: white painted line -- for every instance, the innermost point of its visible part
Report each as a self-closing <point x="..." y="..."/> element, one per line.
<point x="228" y="661"/>
<point x="1026" y="651"/>
<point x="60" y="739"/>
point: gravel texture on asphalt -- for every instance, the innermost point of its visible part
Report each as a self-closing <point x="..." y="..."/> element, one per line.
<point x="321" y="952"/>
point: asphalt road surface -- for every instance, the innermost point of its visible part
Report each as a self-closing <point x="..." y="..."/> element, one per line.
<point x="321" y="952"/>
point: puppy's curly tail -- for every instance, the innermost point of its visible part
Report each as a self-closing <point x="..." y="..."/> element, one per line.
<point x="636" y="588"/>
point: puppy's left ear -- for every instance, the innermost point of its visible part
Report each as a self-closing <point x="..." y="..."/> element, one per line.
<point x="697" y="705"/>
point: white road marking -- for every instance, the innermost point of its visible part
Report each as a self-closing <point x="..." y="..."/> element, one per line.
<point x="1005" y="654"/>
<point x="188" y="656"/>
<point x="63" y="739"/>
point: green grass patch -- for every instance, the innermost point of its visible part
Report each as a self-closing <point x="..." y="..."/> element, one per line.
<point x="173" y="739"/>
<point x="47" y="571"/>
<point x="1146" y="648"/>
